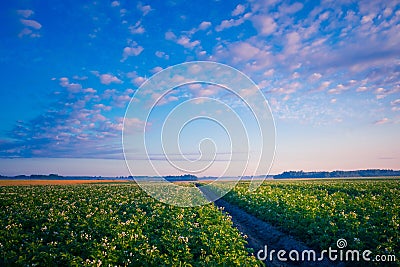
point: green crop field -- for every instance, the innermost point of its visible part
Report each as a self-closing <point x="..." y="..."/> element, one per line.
<point x="110" y="225"/>
<point x="120" y="225"/>
<point x="319" y="212"/>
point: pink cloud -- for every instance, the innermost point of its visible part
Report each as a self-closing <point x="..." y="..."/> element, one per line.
<point x="31" y="23"/>
<point x="132" y="124"/>
<point x="71" y="87"/>
<point x="26" y="13"/>
<point x="226" y="24"/>
<point x="204" y="25"/>
<point x="244" y="51"/>
<point x="186" y="42"/>
<point x="170" y="36"/>
<point x="115" y="4"/>
<point x="161" y="54"/>
<point x="90" y="90"/>
<point x="290" y="9"/>
<point x="108" y="78"/>
<point x="265" y="25"/>
<point x="293" y="43"/>
<point x="382" y="121"/>
<point x="238" y="10"/>
<point x="102" y="106"/>
<point x="134" y="50"/>
<point x="139" y="80"/>
<point x="98" y="117"/>
<point x="156" y="69"/>
<point x="137" y="28"/>
<point x="361" y="89"/>
<point x="144" y="8"/>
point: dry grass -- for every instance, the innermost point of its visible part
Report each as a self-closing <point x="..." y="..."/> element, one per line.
<point x="55" y="182"/>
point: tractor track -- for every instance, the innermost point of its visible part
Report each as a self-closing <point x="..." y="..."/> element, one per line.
<point x="260" y="234"/>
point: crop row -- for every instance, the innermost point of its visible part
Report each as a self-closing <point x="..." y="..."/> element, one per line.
<point x="364" y="212"/>
<point x="112" y="225"/>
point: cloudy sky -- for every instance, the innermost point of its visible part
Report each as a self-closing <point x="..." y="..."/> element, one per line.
<point x="330" y="71"/>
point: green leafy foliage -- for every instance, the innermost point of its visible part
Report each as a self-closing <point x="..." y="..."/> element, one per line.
<point x="319" y="212"/>
<point x="112" y="225"/>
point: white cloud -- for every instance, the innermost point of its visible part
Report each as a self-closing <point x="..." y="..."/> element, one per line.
<point x="139" y="80"/>
<point x="315" y="76"/>
<point x="102" y="106"/>
<point x="115" y="3"/>
<point x="381" y="121"/>
<point x="367" y="18"/>
<point x="290" y="9"/>
<point x="293" y="43"/>
<point x="26" y="13"/>
<point x="187" y="43"/>
<point x="131" y="124"/>
<point x="395" y="102"/>
<point x="170" y="36"/>
<point x="31" y="26"/>
<point x="182" y="40"/>
<point x="238" y="10"/>
<point x="98" y="117"/>
<point x="108" y="78"/>
<point x="161" y="54"/>
<point x="24" y="32"/>
<point x="254" y="54"/>
<point x="226" y="24"/>
<point x="71" y="87"/>
<point x="74" y="87"/>
<point x="195" y="86"/>
<point x="387" y="12"/>
<point x="204" y="25"/>
<point x="244" y="51"/>
<point x="324" y="85"/>
<point x="90" y="90"/>
<point x="339" y="89"/>
<point x="137" y="28"/>
<point x="269" y="73"/>
<point x="144" y="9"/>
<point x="156" y="69"/>
<point x="133" y="50"/>
<point x="64" y="81"/>
<point x="324" y="16"/>
<point x="135" y="78"/>
<point x="31" y="23"/>
<point x="265" y="25"/>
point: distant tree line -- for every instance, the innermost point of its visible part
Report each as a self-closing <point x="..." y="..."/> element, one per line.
<point x="337" y="174"/>
<point x="185" y="177"/>
<point x="190" y="177"/>
<point x="36" y="176"/>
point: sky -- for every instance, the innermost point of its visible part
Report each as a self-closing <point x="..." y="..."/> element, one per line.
<point x="330" y="71"/>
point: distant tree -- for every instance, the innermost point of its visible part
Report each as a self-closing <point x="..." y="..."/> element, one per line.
<point x="185" y="177"/>
<point x="337" y="174"/>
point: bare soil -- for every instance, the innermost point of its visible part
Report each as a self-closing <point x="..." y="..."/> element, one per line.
<point x="261" y="234"/>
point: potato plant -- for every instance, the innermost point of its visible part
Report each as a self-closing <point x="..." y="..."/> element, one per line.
<point x="319" y="212"/>
<point x="112" y="225"/>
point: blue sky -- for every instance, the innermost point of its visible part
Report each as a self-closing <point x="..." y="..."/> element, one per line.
<point x="330" y="71"/>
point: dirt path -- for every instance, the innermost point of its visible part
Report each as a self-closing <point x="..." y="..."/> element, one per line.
<point x="261" y="233"/>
